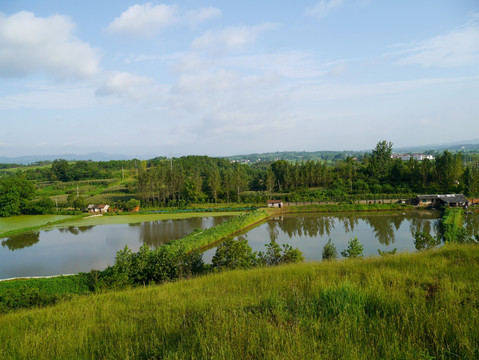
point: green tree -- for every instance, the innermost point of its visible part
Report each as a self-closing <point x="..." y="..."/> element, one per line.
<point x="232" y="254"/>
<point x="16" y="194"/>
<point x="214" y="183"/>
<point x="448" y="170"/>
<point x="380" y="161"/>
<point x="354" y="250"/>
<point x="329" y="251"/>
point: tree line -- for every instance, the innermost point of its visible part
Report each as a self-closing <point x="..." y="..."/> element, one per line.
<point x="201" y="179"/>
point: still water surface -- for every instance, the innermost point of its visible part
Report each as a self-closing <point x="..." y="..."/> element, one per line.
<point x="310" y="232"/>
<point x="80" y="249"/>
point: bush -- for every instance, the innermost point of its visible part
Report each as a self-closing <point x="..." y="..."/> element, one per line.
<point x="354" y="250"/>
<point x="232" y="254"/>
<point x="329" y="251"/>
<point x="273" y="255"/>
<point x="386" y="253"/>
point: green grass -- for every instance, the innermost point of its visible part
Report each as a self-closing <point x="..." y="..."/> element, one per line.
<point x="408" y="306"/>
<point x="201" y="239"/>
<point x="452" y="222"/>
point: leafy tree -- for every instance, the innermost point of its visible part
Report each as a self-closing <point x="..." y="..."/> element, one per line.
<point x="275" y="256"/>
<point x="354" y="250"/>
<point x="132" y="204"/>
<point x="448" y="170"/>
<point x="380" y="161"/>
<point x="61" y="170"/>
<point x="16" y="194"/>
<point x="214" y="183"/>
<point x="329" y="251"/>
<point x="42" y="206"/>
<point x="232" y="254"/>
<point x="79" y="203"/>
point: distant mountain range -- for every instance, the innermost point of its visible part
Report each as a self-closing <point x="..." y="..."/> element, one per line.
<point x="453" y="146"/>
<point x="97" y="156"/>
<point x="469" y="145"/>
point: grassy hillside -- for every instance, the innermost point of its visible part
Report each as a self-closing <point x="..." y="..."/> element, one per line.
<point x="408" y="306"/>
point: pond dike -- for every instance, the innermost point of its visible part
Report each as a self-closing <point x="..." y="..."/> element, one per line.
<point x="200" y="239"/>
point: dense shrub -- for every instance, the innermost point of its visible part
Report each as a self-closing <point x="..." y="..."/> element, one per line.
<point x="354" y="250"/>
<point x="232" y="254"/>
<point x="329" y="251"/>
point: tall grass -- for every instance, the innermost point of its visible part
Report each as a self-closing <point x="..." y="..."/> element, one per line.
<point x="408" y="306"/>
<point x="452" y="222"/>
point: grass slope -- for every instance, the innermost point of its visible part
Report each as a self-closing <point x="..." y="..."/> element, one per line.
<point x="408" y="306"/>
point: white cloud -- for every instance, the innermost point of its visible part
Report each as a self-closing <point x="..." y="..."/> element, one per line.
<point x="289" y="64"/>
<point x="231" y="38"/>
<point x="125" y="85"/>
<point x="195" y="17"/>
<point x="311" y="92"/>
<point x="31" y="44"/>
<point x="59" y="97"/>
<point x="323" y="8"/>
<point x="144" y="20"/>
<point x="457" y="48"/>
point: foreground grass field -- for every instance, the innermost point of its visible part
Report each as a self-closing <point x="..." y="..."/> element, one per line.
<point x="408" y="306"/>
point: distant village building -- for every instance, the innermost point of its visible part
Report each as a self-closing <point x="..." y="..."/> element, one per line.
<point x="452" y="200"/>
<point x="275" y="203"/>
<point x="407" y="157"/>
<point x="98" y="209"/>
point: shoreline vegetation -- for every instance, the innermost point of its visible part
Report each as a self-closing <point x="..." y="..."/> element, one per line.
<point x="410" y="305"/>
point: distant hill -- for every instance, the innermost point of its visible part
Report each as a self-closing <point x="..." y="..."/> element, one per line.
<point x="97" y="156"/>
<point x="295" y="156"/>
<point x="469" y="145"/>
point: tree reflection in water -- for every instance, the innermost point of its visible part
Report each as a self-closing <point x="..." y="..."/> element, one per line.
<point x="76" y="230"/>
<point x="21" y="241"/>
<point x="471" y="223"/>
<point x="383" y="226"/>
<point x="310" y="226"/>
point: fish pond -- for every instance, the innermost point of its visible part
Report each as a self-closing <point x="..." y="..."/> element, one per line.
<point x="76" y="249"/>
<point x="383" y="231"/>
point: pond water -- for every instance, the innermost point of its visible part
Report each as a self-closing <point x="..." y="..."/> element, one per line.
<point x="310" y="232"/>
<point x="80" y="249"/>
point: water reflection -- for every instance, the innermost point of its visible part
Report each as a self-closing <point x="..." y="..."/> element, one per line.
<point x="73" y="249"/>
<point x="21" y="241"/>
<point x="384" y="227"/>
<point x="471" y="223"/>
<point x="76" y="230"/>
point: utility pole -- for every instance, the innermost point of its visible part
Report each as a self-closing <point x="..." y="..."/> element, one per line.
<point x="78" y="193"/>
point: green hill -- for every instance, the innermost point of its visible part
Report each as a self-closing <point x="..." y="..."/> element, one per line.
<point x="408" y="306"/>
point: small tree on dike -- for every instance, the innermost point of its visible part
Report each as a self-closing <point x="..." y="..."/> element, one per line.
<point x="329" y="251"/>
<point x="354" y="250"/>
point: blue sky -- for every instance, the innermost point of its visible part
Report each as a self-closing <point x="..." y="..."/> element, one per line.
<point x="224" y="78"/>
